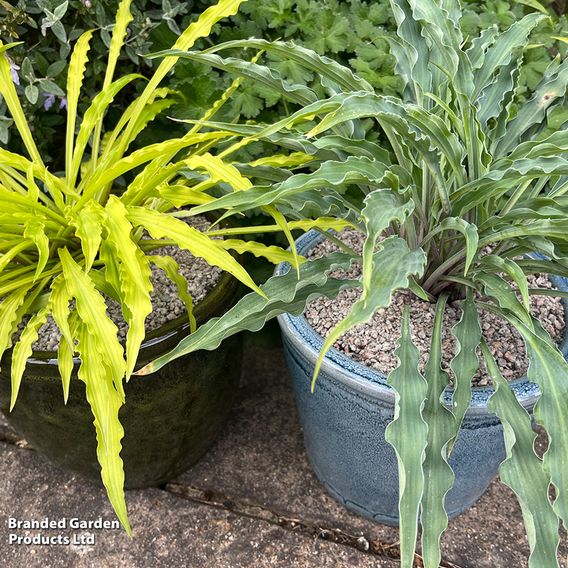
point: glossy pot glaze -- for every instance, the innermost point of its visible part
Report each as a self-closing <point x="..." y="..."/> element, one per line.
<point x="171" y="418"/>
<point x="344" y="424"/>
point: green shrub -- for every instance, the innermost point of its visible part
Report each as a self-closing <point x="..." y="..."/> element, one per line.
<point x="351" y="31"/>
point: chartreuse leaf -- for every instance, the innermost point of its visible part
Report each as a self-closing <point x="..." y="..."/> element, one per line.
<point x="93" y="116"/>
<point x="465" y="363"/>
<point x="272" y="253"/>
<point x="8" y="92"/>
<point x="384" y="271"/>
<point x="105" y="402"/>
<point x="407" y="434"/>
<point x="198" y="29"/>
<point x="9" y="307"/>
<point x="291" y="160"/>
<point x="91" y="309"/>
<point x="34" y="230"/>
<point x="134" y="272"/>
<point x="160" y="225"/>
<point x="286" y="294"/>
<point x="438" y="474"/>
<point x="523" y="471"/>
<point x="88" y="224"/>
<point x="171" y="268"/>
<point x="23" y="349"/>
<point x="74" y="81"/>
<point x="219" y="170"/>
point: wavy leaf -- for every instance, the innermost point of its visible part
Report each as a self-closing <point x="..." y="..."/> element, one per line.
<point x="407" y="434"/>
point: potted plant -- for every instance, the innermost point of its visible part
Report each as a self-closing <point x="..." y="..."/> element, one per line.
<point x="470" y="187"/>
<point x="75" y="242"/>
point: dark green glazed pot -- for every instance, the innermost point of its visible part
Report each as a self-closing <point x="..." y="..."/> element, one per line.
<point x="171" y="418"/>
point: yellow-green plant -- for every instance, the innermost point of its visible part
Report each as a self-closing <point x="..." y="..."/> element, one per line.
<point x="70" y="239"/>
<point x="472" y="185"/>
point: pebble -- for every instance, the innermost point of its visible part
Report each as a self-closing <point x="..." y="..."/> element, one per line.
<point x="200" y="276"/>
<point x="374" y="343"/>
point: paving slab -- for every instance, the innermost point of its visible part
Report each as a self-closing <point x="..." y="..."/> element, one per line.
<point x="253" y="501"/>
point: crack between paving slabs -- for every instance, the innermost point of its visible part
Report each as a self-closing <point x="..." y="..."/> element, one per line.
<point x="219" y="500"/>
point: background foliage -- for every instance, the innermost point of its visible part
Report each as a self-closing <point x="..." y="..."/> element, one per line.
<point x="350" y="31"/>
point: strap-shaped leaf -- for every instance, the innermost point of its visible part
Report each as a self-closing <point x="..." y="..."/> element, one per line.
<point x="329" y="174"/>
<point x="9" y="307"/>
<point x="442" y="427"/>
<point x="499" y="54"/>
<point x="287" y="294"/>
<point x="219" y="170"/>
<point x="272" y="253"/>
<point x="23" y="350"/>
<point x="468" y="230"/>
<point x="93" y="116"/>
<point x="523" y="471"/>
<point x="388" y="270"/>
<point x="88" y="227"/>
<point x="75" y="75"/>
<point x="91" y="309"/>
<point x="260" y="74"/>
<point x="134" y="273"/>
<point x="105" y="402"/>
<point x="160" y="225"/>
<point x="307" y="58"/>
<point x="8" y="92"/>
<point x="198" y="29"/>
<point x="407" y="434"/>
<point x="34" y="230"/>
<point x="549" y="370"/>
<point x="465" y="363"/>
<point x="171" y="268"/>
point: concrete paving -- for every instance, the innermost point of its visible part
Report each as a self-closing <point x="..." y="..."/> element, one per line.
<point x="253" y="501"/>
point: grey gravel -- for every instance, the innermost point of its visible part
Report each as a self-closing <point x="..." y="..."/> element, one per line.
<point x="200" y="276"/>
<point x="373" y="344"/>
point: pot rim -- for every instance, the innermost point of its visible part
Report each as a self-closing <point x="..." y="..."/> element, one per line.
<point x="372" y="383"/>
<point x="215" y="301"/>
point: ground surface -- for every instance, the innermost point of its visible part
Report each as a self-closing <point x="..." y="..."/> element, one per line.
<point x="253" y="501"/>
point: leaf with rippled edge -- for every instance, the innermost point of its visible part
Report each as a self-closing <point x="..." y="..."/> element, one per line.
<point x="134" y="274"/>
<point x="286" y="294"/>
<point x="523" y="471"/>
<point x="465" y="363"/>
<point x="384" y="271"/>
<point x="91" y="309"/>
<point x="75" y="76"/>
<point x="442" y="427"/>
<point x="389" y="270"/>
<point x="200" y="28"/>
<point x="260" y="74"/>
<point x="272" y="253"/>
<point x="88" y="225"/>
<point x="93" y="116"/>
<point x="407" y="434"/>
<point x="34" y="230"/>
<point x="329" y="174"/>
<point x="307" y="58"/>
<point x="160" y="225"/>
<point x="9" y="307"/>
<point x="97" y="373"/>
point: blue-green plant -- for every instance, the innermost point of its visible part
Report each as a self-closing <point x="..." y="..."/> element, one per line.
<point x="472" y="183"/>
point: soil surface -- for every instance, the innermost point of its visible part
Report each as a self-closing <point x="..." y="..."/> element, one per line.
<point x="374" y="343"/>
<point x="200" y="276"/>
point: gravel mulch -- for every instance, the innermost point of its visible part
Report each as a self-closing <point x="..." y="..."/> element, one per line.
<point x="201" y="278"/>
<point x="373" y="344"/>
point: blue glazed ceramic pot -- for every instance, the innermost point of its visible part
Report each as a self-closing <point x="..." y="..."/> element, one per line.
<point x="344" y="424"/>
